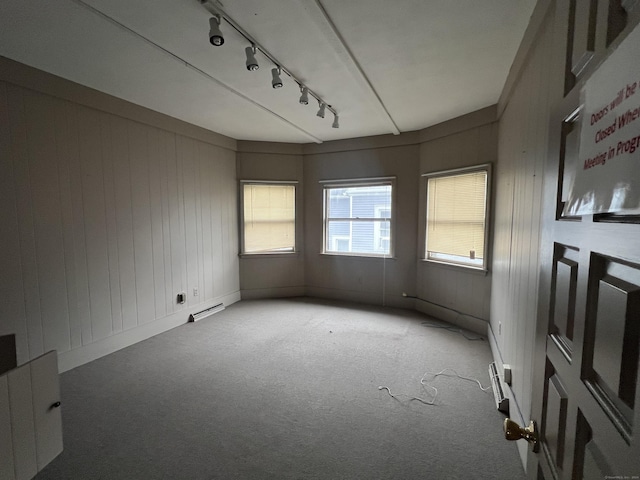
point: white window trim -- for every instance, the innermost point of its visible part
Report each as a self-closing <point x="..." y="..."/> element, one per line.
<point x="485" y="167"/>
<point x="243" y="254"/>
<point x="359" y="182"/>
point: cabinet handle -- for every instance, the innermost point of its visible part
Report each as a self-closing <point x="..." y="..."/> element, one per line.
<point x="54" y="405"/>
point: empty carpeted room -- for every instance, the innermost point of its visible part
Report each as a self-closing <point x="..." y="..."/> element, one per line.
<point x="319" y="239"/>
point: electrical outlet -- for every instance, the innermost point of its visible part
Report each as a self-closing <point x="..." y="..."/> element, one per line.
<point x="195" y="292"/>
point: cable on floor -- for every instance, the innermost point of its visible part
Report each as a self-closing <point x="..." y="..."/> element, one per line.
<point x="451" y="329"/>
<point x="427" y="385"/>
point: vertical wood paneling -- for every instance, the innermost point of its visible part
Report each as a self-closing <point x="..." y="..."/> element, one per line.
<point x="176" y="224"/>
<point x="105" y="221"/>
<point x="197" y="169"/>
<point x="124" y="221"/>
<point x="6" y="443"/>
<point x="66" y="144"/>
<point x="43" y="172"/>
<point x="95" y="222"/>
<point x="230" y="248"/>
<point x="111" y="222"/>
<point x="142" y="233"/>
<point x="24" y="207"/>
<point x="186" y="151"/>
<point x="206" y="169"/>
<point x="165" y="152"/>
<point x="11" y="282"/>
<point x="522" y="153"/>
<point x="22" y="422"/>
<point x="155" y="198"/>
<point x="79" y="237"/>
<point x="217" y="199"/>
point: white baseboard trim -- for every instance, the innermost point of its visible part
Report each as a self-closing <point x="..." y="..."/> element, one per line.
<point x="275" y="292"/>
<point x="515" y="412"/>
<point x="93" y="351"/>
<point x="461" y="320"/>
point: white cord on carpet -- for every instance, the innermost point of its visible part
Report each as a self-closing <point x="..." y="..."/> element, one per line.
<point x="424" y="384"/>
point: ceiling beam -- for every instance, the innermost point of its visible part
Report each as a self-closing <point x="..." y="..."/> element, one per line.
<point x="319" y="13"/>
<point x="197" y="70"/>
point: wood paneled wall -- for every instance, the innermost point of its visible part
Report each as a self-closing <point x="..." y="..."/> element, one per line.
<point x="104" y="221"/>
<point x="522" y="152"/>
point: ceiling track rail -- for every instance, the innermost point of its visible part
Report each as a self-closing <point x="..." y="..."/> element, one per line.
<point x="196" y="69"/>
<point x="217" y="10"/>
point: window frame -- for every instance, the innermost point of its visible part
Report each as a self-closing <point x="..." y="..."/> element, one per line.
<point x="354" y="183"/>
<point x="485" y="167"/>
<point x="296" y="248"/>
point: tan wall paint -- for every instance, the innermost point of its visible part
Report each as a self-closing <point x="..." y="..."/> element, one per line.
<point x="263" y="276"/>
<point x="104" y="221"/>
<point x="457" y="289"/>
<point x="360" y="278"/>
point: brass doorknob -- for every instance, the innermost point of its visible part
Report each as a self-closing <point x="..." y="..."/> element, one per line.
<point x="513" y="431"/>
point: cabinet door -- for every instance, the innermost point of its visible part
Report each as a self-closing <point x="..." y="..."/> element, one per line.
<point x="30" y="420"/>
<point x="46" y="412"/>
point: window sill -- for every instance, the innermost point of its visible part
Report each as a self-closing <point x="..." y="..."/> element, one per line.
<point x="269" y="255"/>
<point x="358" y="255"/>
<point x="457" y="266"/>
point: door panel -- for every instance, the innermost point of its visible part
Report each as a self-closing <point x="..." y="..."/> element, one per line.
<point x="588" y="344"/>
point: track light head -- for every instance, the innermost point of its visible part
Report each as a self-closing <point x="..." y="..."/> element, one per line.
<point x="336" y="122"/>
<point x="215" y="35"/>
<point x="304" y="98"/>
<point x="321" y="111"/>
<point x="252" y="63"/>
<point x="277" y="81"/>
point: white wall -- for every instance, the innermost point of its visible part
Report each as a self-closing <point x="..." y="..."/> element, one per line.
<point x="104" y="220"/>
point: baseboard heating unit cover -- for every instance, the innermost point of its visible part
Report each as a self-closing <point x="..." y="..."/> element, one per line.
<point x="194" y="317"/>
<point x="502" y="402"/>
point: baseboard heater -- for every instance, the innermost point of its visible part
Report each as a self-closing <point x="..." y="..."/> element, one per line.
<point x="194" y="317"/>
<point x="502" y="402"/>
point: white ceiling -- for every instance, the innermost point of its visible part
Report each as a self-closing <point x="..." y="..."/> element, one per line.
<point x="385" y="66"/>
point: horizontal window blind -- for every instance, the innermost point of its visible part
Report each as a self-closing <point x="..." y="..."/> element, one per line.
<point x="269" y="218"/>
<point x="456" y="210"/>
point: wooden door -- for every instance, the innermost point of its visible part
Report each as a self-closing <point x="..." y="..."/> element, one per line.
<point x="586" y="395"/>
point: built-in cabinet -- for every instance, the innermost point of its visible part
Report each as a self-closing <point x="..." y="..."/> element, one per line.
<point x="30" y="418"/>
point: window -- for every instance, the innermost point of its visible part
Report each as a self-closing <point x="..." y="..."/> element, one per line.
<point x="456" y="217"/>
<point x="358" y="217"/>
<point x="268" y="217"/>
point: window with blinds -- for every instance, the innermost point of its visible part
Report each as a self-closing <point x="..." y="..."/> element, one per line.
<point x="456" y="217"/>
<point x="269" y="218"/>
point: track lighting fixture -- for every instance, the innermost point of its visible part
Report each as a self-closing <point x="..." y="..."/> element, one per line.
<point x="252" y="63"/>
<point x="277" y="81"/>
<point x="304" y="98"/>
<point x="216" y="38"/>
<point x="215" y="35"/>
<point x="321" y="111"/>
